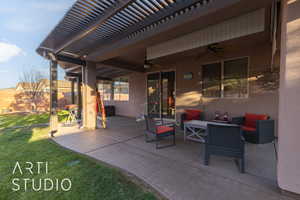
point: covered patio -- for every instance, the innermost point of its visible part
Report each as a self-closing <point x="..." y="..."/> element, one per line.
<point x="176" y="172"/>
<point x="162" y="57"/>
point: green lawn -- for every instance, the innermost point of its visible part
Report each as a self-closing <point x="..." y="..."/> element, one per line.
<point x="90" y="180"/>
<point x="11" y="120"/>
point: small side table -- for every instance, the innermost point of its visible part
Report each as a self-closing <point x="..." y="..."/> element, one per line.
<point x="195" y="130"/>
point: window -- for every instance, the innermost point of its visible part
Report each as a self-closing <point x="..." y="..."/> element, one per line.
<point x="105" y="89"/>
<point x="211" y="74"/>
<point x="226" y="79"/>
<point x="235" y="81"/>
<point x="121" y="89"/>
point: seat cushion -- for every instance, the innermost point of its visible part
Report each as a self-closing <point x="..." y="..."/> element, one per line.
<point x="250" y="119"/>
<point x="192" y="114"/>
<point x="247" y="128"/>
<point x="163" y="129"/>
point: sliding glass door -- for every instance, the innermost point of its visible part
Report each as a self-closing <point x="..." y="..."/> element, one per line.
<point x="161" y="94"/>
<point x="153" y="95"/>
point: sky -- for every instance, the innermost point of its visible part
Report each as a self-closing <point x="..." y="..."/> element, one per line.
<point x="24" y="24"/>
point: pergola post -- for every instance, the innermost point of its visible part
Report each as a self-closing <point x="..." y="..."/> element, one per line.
<point x="89" y="96"/>
<point x="72" y="91"/>
<point x="79" y="97"/>
<point x="53" y="98"/>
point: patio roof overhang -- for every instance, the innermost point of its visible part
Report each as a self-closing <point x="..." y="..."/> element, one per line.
<point x="97" y="30"/>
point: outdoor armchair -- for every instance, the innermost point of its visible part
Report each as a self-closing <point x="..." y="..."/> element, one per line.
<point x="225" y="140"/>
<point x="258" y="129"/>
<point x="159" y="131"/>
<point x="190" y="114"/>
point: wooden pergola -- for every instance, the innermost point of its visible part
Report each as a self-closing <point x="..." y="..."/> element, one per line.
<point x="92" y="30"/>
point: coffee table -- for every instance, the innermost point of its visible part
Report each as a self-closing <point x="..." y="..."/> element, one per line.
<point x="195" y="130"/>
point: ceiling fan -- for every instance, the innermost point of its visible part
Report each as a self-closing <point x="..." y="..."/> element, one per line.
<point x="215" y="48"/>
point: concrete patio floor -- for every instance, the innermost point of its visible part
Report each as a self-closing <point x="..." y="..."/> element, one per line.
<point x="177" y="172"/>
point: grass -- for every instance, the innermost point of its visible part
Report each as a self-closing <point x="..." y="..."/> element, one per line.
<point x="90" y="180"/>
<point x="11" y="120"/>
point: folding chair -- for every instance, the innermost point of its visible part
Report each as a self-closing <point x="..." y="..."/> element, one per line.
<point x="159" y="132"/>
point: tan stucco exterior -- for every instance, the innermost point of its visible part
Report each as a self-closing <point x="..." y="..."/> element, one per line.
<point x="260" y="99"/>
<point x="89" y="96"/>
<point x="137" y="95"/>
<point x="289" y="107"/>
<point x="263" y="78"/>
<point x="263" y="93"/>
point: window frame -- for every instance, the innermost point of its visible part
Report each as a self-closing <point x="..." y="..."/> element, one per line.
<point x="118" y="79"/>
<point x="103" y="94"/>
<point x="221" y="77"/>
<point x="222" y="61"/>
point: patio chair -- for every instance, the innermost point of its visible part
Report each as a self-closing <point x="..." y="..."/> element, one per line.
<point x="190" y="114"/>
<point x="225" y="140"/>
<point x="159" y="131"/>
<point x="72" y="115"/>
<point x="257" y="129"/>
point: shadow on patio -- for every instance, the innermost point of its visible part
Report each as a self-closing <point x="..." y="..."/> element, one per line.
<point x="177" y="172"/>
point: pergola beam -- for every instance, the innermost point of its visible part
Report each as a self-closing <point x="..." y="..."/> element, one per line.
<point x="162" y="13"/>
<point x="103" y="78"/>
<point x="68" y="59"/>
<point x="97" y="52"/>
<point x="71" y="69"/>
<point x="101" y="19"/>
<point x="75" y="76"/>
<point x="111" y="73"/>
<point x="114" y="74"/>
<point x="72" y="74"/>
<point x="118" y="64"/>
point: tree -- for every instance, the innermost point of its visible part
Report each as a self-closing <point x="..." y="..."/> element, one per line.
<point x="33" y="85"/>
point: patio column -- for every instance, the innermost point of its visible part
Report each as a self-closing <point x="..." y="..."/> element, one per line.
<point x="53" y="98"/>
<point x="289" y="99"/>
<point x="79" y="99"/>
<point x="89" y="96"/>
<point x="72" y="91"/>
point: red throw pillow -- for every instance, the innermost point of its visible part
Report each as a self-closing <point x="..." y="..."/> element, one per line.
<point x="193" y="114"/>
<point x="250" y="119"/>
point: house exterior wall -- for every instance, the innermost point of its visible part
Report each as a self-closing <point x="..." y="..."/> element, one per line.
<point x="137" y="95"/>
<point x="263" y="82"/>
<point x="263" y="92"/>
<point x="289" y="93"/>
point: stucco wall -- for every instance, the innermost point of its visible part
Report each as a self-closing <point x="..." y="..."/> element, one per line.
<point x="263" y="92"/>
<point x="260" y="100"/>
<point x="137" y="97"/>
<point x="289" y="107"/>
